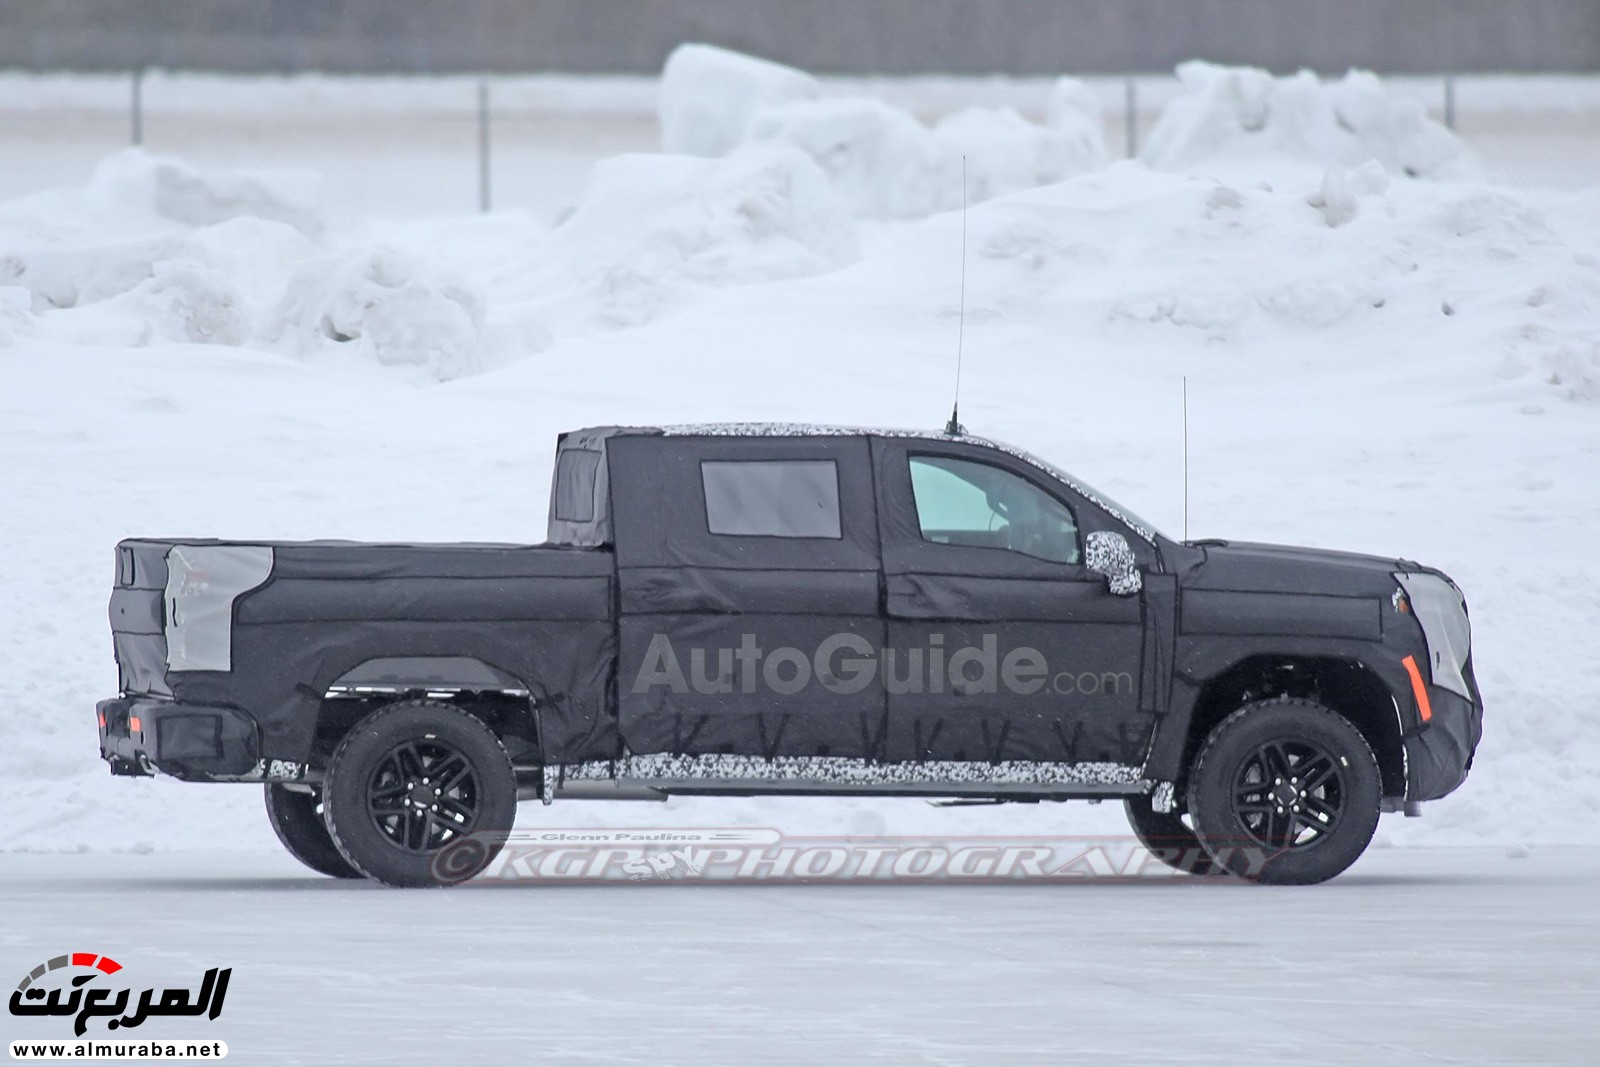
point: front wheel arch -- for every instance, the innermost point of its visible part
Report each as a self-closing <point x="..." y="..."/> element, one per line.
<point x="1347" y="687"/>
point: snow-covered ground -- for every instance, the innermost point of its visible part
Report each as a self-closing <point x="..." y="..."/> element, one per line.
<point x="1413" y="956"/>
<point x="286" y="321"/>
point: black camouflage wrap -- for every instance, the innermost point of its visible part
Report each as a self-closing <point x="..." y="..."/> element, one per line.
<point x="568" y="627"/>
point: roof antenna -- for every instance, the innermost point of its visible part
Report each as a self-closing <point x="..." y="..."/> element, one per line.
<point x="954" y="427"/>
<point x="1186" y="457"/>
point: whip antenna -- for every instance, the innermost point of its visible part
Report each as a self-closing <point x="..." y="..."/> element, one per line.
<point x="1186" y="457"/>
<point x="954" y="427"/>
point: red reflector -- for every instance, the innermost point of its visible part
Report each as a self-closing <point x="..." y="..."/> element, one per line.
<point x="134" y="724"/>
<point x="102" y="720"/>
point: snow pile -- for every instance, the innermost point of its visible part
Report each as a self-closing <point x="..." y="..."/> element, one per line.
<point x="880" y="158"/>
<point x="709" y="96"/>
<point x="135" y="182"/>
<point x="152" y="250"/>
<point x="1235" y="115"/>
<point x="16" y="313"/>
<point x="886" y="164"/>
<point x="386" y="307"/>
<point x="652" y="228"/>
<point x="1005" y="153"/>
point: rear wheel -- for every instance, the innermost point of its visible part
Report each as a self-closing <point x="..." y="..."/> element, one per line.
<point x="1285" y="792"/>
<point x="296" y="817"/>
<point x="420" y="793"/>
<point x="1168" y="838"/>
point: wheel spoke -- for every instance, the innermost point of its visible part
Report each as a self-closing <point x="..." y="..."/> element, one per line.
<point x="1275" y="761"/>
<point x="1315" y="771"/>
<point x="454" y="806"/>
<point x="441" y="829"/>
<point x="450" y="771"/>
<point x="1326" y="814"/>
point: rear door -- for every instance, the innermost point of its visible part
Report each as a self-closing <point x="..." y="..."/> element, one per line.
<point x="1002" y="645"/>
<point x="748" y="570"/>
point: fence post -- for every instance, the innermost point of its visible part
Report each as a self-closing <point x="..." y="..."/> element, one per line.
<point x="483" y="144"/>
<point x="136" y="106"/>
<point x="1450" y="101"/>
<point x="1130" y="116"/>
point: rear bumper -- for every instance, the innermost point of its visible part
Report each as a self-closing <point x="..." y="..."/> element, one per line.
<point x="142" y="735"/>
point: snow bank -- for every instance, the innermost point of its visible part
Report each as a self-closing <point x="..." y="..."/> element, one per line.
<point x="709" y="96"/>
<point x="135" y="182"/>
<point x="1234" y="115"/>
<point x="886" y="164"/>
<point x="383" y="306"/>
<point x="881" y="159"/>
<point x="16" y="313"/>
<point x="1005" y="153"/>
<point x="650" y="228"/>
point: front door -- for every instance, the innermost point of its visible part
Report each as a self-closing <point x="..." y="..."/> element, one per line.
<point x="1002" y="645"/>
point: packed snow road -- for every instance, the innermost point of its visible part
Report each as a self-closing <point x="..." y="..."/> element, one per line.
<point x="1415" y="955"/>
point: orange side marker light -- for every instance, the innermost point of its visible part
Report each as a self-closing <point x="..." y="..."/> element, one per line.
<point x="138" y="727"/>
<point x="1418" y="690"/>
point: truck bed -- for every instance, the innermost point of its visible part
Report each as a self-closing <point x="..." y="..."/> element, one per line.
<point x="340" y="613"/>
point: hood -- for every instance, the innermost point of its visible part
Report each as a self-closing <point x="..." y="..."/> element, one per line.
<point x="1254" y="568"/>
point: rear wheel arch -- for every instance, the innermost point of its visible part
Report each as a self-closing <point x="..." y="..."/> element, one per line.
<point x="1347" y="687"/>
<point x="500" y="700"/>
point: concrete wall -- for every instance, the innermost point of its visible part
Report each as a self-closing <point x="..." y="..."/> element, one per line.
<point x="856" y="36"/>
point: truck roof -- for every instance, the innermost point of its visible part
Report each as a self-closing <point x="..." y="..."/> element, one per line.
<point x="594" y="437"/>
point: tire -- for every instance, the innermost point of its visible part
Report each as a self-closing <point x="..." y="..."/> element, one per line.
<point x="418" y="834"/>
<point x="1256" y="818"/>
<point x="296" y="818"/>
<point x="1167" y="837"/>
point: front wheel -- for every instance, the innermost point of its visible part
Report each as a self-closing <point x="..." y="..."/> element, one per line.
<point x="420" y="793"/>
<point x="1285" y="792"/>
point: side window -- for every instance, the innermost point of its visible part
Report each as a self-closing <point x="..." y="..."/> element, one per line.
<point x="960" y="502"/>
<point x="772" y="498"/>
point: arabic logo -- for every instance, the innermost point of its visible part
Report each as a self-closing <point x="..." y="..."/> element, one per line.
<point x="86" y="1004"/>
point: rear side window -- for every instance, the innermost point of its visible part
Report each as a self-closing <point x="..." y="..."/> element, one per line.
<point x="575" y="475"/>
<point x="772" y="498"/>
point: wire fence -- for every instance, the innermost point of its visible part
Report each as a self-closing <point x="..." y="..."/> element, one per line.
<point x="424" y="145"/>
<point x="1130" y="121"/>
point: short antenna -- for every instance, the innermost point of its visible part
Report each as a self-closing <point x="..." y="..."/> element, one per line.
<point x="1186" y="457"/>
<point x="954" y="427"/>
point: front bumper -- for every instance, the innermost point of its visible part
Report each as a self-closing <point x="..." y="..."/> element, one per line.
<point x="1439" y="752"/>
<point x="142" y="735"/>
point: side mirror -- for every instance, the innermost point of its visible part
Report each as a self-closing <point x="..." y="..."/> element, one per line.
<point x="1108" y="554"/>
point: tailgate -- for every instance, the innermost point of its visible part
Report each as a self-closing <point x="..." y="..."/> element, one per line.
<point x="138" y="631"/>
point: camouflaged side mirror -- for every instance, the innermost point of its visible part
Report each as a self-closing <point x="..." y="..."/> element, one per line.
<point x="1108" y="553"/>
